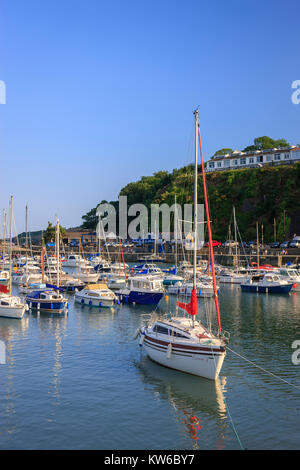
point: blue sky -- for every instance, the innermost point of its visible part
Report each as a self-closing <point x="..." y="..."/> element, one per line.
<point x="101" y="93"/>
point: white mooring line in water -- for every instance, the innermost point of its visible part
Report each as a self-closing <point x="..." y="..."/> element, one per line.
<point x="264" y="370"/>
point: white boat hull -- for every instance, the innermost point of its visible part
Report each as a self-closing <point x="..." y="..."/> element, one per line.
<point x="12" y="312"/>
<point x="201" y="363"/>
<point x="232" y="279"/>
<point x="203" y="291"/>
<point x="100" y="302"/>
<point x="89" y="278"/>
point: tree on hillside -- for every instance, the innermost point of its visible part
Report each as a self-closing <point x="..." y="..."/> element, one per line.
<point x="49" y="234"/>
<point x="91" y="219"/>
<point x="223" y="151"/>
<point x="265" y="143"/>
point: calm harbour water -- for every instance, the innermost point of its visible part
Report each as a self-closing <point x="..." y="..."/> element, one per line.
<point x="80" y="381"/>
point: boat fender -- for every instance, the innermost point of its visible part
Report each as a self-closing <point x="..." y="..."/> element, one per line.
<point x="169" y="351"/>
<point x="82" y="301"/>
<point x="90" y="302"/>
<point x="100" y="304"/>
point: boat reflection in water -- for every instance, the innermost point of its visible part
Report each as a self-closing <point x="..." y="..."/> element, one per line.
<point x="198" y="403"/>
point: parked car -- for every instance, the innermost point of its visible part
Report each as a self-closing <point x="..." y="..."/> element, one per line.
<point x="229" y="243"/>
<point x="275" y="245"/>
<point x="284" y="244"/>
<point x="295" y="243"/>
<point x="214" y="243"/>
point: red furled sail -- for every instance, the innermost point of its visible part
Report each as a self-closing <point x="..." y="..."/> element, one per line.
<point x="4" y="289"/>
<point x="192" y="306"/>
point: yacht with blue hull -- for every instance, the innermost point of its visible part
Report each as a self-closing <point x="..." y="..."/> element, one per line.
<point x="267" y="284"/>
<point x="147" y="269"/>
<point x="47" y="300"/>
<point x="142" y="290"/>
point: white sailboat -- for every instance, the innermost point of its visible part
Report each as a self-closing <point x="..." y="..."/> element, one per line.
<point x="184" y="343"/>
<point x="11" y="305"/>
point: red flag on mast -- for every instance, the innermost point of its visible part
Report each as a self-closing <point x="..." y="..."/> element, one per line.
<point x="4" y="289"/>
<point x="192" y="306"/>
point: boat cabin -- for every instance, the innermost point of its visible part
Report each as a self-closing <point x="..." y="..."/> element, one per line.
<point x="145" y="283"/>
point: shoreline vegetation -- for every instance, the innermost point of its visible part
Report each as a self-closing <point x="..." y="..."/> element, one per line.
<point x="264" y="195"/>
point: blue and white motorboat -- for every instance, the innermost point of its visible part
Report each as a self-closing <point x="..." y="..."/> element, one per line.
<point x="48" y="300"/>
<point x="147" y="269"/>
<point x="143" y="290"/>
<point x="267" y="284"/>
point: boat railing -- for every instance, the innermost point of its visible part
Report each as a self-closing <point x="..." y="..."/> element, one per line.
<point x="225" y="335"/>
<point x="147" y="318"/>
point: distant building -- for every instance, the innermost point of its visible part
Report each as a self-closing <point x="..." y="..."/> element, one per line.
<point x="254" y="159"/>
<point x="77" y="234"/>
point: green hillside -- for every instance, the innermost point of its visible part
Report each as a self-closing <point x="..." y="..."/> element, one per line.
<point x="259" y="194"/>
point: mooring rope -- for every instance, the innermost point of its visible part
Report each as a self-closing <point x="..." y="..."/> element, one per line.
<point x="264" y="370"/>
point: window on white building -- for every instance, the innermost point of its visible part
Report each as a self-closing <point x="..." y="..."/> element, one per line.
<point x="211" y="165"/>
<point x="269" y="158"/>
<point x="219" y="164"/>
<point x="243" y="161"/>
<point x="235" y="162"/>
<point x="286" y="156"/>
<point x="277" y="156"/>
<point x="251" y="160"/>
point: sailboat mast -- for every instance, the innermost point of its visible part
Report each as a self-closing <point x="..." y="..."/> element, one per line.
<point x="175" y="231"/>
<point x="212" y="260"/>
<point x="26" y="241"/>
<point x="235" y="239"/>
<point x="195" y="201"/>
<point x="257" y="245"/>
<point x="26" y="228"/>
<point x="10" y="243"/>
<point x="43" y="261"/>
<point x="79" y="251"/>
<point x="4" y="237"/>
<point x="57" y="252"/>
